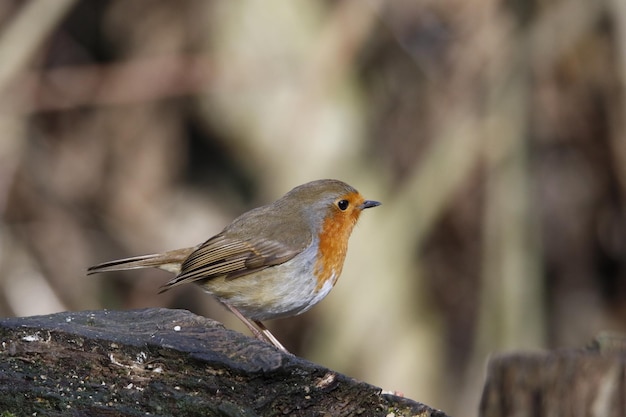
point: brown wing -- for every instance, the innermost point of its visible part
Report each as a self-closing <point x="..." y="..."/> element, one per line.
<point x="231" y="257"/>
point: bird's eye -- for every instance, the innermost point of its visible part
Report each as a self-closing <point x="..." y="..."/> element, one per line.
<point x="343" y="204"/>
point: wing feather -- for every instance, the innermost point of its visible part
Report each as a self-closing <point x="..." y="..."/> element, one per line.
<point x="231" y="257"/>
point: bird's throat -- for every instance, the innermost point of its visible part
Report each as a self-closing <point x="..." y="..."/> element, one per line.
<point x="333" y="245"/>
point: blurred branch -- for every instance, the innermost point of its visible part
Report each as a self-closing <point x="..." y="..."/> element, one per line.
<point x="18" y="43"/>
<point x="512" y="280"/>
<point x="560" y="27"/>
<point x="141" y="80"/>
<point x="20" y="40"/>
<point x="618" y="8"/>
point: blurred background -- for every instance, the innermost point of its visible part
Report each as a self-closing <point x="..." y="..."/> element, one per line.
<point x="492" y="131"/>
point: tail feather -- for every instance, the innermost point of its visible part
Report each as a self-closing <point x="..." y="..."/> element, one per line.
<point x="169" y="261"/>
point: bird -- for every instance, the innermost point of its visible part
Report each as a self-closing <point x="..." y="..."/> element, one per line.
<point x="274" y="261"/>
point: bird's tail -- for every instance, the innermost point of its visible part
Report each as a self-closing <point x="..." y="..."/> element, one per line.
<point x="169" y="261"/>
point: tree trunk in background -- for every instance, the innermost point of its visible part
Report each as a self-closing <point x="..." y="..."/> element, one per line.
<point x="584" y="382"/>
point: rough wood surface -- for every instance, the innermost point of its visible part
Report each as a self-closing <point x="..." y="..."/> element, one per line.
<point x="584" y="382"/>
<point x="168" y="362"/>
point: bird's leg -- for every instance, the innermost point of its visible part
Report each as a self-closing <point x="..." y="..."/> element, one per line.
<point x="269" y="336"/>
<point x="256" y="332"/>
<point x="257" y="328"/>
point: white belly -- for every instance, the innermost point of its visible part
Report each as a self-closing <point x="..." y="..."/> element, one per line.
<point x="283" y="290"/>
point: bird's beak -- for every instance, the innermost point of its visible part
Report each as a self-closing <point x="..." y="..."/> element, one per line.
<point x="368" y="204"/>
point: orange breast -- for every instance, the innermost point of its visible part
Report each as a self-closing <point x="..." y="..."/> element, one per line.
<point x="333" y="244"/>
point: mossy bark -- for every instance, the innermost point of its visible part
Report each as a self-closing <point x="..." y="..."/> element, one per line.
<point x="168" y="362"/>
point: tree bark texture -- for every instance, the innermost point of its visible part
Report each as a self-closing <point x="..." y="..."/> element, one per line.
<point x="168" y="362"/>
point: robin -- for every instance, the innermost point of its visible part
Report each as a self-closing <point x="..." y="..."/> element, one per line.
<point x="274" y="261"/>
